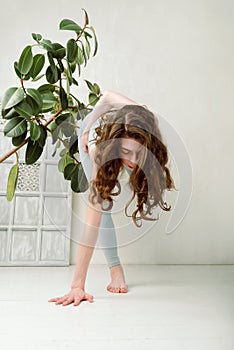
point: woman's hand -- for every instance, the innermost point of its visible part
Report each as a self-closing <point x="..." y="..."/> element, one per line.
<point x="85" y="140"/>
<point x="75" y="296"/>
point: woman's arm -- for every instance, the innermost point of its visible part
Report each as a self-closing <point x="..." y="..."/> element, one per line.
<point x="85" y="251"/>
<point x="110" y="99"/>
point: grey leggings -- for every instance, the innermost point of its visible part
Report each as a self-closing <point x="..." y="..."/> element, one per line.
<point x="106" y="235"/>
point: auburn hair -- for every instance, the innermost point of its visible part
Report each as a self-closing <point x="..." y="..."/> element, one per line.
<point x="150" y="177"/>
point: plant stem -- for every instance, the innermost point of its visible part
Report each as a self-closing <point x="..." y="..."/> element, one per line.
<point x="8" y="154"/>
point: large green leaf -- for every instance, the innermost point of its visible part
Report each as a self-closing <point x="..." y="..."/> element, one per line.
<point x="35" y="131"/>
<point x="67" y="24"/>
<point x="63" y="118"/>
<point x="12" y="181"/>
<point x="9" y="113"/>
<point x="34" y="105"/>
<point x="47" y="45"/>
<point x="42" y="139"/>
<point x="63" y="98"/>
<point x="64" y="161"/>
<point x="33" y="152"/>
<point x="51" y="77"/>
<point x="15" y="127"/>
<point x="17" y="70"/>
<point x="73" y="144"/>
<point x="49" y="101"/>
<point x="52" y="63"/>
<point x="38" y="64"/>
<point x="90" y="86"/>
<point x="93" y="99"/>
<point x="68" y="170"/>
<point x="26" y="60"/>
<point x="45" y="88"/>
<point x="79" y="181"/>
<point x="17" y="141"/>
<point x="24" y="109"/>
<point x="36" y="96"/>
<point x="72" y="50"/>
<point x="95" y="41"/>
<point x="87" y="47"/>
<point x="59" y="51"/>
<point x="80" y="56"/>
<point x="12" y="97"/>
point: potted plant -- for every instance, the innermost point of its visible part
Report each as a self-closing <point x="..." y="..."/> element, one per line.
<point x="50" y="109"/>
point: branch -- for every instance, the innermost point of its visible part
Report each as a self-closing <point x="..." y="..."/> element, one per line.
<point x="8" y="154"/>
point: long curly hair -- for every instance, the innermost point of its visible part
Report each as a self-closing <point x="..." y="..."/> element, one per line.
<point x="149" y="178"/>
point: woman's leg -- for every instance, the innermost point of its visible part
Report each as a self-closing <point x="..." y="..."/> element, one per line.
<point x="107" y="240"/>
<point x="107" y="235"/>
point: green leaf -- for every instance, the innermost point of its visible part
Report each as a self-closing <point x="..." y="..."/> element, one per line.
<point x="42" y="139"/>
<point x="61" y="66"/>
<point x="33" y="104"/>
<point x="68" y="170"/>
<point x="59" y="51"/>
<point x="79" y="181"/>
<point x="36" y="37"/>
<point x="45" y="88"/>
<point x="64" y="161"/>
<point x="72" y="50"/>
<point x="68" y="73"/>
<point x="84" y="54"/>
<point x="52" y="65"/>
<point x="49" y="101"/>
<point x="24" y="109"/>
<point x="82" y="112"/>
<point x="86" y="17"/>
<point x="33" y="152"/>
<point x="86" y="34"/>
<point x="80" y="56"/>
<point x="75" y="82"/>
<point x="96" y="88"/>
<point x="73" y="144"/>
<point x="15" y="127"/>
<point x="51" y="77"/>
<point x="93" y="99"/>
<point x="26" y="60"/>
<point x="9" y="113"/>
<point x="87" y="48"/>
<point x="36" y="96"/>
<point x="63" y="118"/>
<point x="63" y="98"/>
<point x="90" y="86"/>
<point x="17" y="141"/>
<point x="17" y="70"/>
<point x="47" y="45"/>
<point x="95" y="41"/>
<point x="67" y="24"/>
<point x="12" y="97"/>
<point x="35" y="131"/>
<point x="38" y="64"/>
<point x="12" y="181"/>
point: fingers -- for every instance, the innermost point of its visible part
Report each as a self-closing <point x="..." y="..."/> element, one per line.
<point x="66" y="300"/>
<point x="53" y="299"/>
<point x="88" y="297"/>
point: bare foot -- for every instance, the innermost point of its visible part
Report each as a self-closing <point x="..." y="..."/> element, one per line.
<point x="117" y="284"/>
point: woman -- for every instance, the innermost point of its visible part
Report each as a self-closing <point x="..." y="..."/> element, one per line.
<point x="127" y="138"/>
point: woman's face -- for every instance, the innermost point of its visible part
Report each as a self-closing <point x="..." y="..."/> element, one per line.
<point x="129" y="152"/>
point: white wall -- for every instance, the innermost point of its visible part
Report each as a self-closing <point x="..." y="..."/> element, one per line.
<point x="177" y="58"/>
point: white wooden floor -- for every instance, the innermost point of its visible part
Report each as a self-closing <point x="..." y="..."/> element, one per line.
<point x="167" y="307"/>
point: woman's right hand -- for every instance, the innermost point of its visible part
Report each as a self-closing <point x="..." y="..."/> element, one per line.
<point x="75" y="296"/>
